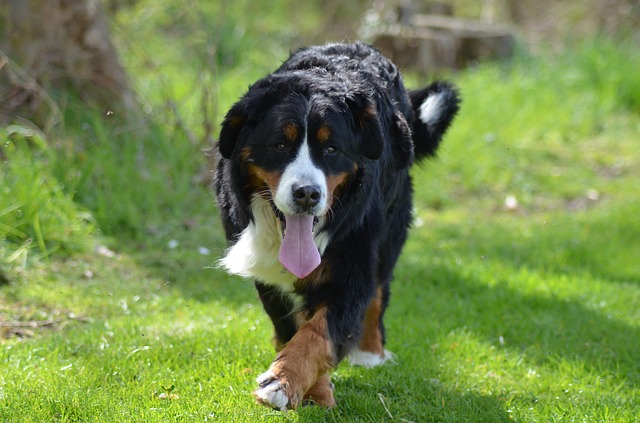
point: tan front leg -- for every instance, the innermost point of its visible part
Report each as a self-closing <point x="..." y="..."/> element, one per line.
<point x="321" y="393"/>
<point x="298" y="366"/>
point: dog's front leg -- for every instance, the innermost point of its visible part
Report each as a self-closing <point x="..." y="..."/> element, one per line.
<point x="306" y="358"/>
<point x="329" y="334"/>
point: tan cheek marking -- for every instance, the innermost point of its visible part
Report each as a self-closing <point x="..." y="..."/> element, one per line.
<point x="259" y="177"/>
<point x="291" y="132"/>
<point x="336" y="182"/>
<point x="323" y="135"/>
<point x="371" y="340"/>
<point x="306" y="358"/>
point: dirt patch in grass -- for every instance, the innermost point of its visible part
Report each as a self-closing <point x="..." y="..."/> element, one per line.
<point x="25" y="321"/>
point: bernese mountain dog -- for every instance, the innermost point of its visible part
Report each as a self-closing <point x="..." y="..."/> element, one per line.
<point x="315" y="196"/>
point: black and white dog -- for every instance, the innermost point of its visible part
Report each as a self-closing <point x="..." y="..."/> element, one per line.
<point x="313" y="186"/>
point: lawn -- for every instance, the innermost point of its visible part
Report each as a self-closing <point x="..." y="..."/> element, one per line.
<point x="517" y="297"/>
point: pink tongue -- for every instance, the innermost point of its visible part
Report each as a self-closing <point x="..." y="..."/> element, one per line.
<point x="298" y="253"/>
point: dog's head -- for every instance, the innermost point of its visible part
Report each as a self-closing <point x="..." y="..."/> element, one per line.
<point x="298" y="146"/>
<point x="298" y="143"/>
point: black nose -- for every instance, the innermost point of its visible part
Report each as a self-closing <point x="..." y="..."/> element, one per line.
<point x="306" y="196"/>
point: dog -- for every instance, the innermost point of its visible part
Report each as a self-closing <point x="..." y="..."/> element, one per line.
<point x="315" y="196"/>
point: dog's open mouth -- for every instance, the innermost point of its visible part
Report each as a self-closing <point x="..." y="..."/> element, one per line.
<point x="283" y="220"/>
<point x="298" y="252"/>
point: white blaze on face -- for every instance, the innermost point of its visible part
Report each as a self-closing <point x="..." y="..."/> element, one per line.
<point x="302" y="171"/>
<point x="299" y="253"/>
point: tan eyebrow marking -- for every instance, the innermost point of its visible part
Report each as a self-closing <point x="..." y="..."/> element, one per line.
<point x="324" y="133"/>
<point x="291" y="131"/>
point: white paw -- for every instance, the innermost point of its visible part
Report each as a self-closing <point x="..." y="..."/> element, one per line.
<point x="369" y="359"/>
<point x="271" y="391"/>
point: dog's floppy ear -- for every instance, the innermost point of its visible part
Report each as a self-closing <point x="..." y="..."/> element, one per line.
<point x="402" y="144"/>
<point x="231" y="126"/>
<point x="250" y="108"/>
<point x="365" y="117"/>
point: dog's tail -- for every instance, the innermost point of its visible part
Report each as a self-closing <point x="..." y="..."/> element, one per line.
<point x="435" y="107"/>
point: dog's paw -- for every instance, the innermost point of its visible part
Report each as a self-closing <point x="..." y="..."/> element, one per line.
<point x="271" y="391"/>
<point x="320" y="394"/>
<point x="368" y="359"/>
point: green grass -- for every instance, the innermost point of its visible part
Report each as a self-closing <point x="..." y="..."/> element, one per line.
<point x="521" y="314"/>
<point x="34" y="206"/>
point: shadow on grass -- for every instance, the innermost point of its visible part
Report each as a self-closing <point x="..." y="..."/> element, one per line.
<point x="544" y="329"/>
<point x="474" y="282"/>
<point x="361" y="402"/>
<point x="399" y="393"/>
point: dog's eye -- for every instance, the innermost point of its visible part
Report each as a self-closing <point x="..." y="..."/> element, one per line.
<point x="280" y="146"/>
<point x="330" y="150"/>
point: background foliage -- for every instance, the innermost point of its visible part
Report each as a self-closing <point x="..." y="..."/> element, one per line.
<point x="516" y="298"/>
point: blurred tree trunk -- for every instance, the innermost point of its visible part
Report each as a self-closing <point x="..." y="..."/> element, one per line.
<point x="60" y="45"/>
